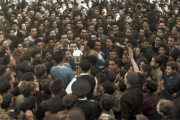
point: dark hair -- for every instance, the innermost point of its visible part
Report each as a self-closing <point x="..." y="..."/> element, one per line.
<point x="108" y="87"/>
<point x="5" y="60"/>
<point x="28" y="76"/>
<point x="9" y="29"/>
<point x="114" y="59"/>
<point x="85" y="65"/>
<point x="107" y="102"/>
<point x="40" y="70"/>
<point x="28" y="104"/>
<point x="45" y="86"/>
<point x="7" y="99"/>
<point x="112" y="39"/>
<point x="3" y="69"/>
<point x="173" y="65"/>
<point x="158" y="60"/>
<point x="122" y="86"/>
<point x="58" y="56"/>
<point x="132" y="42"/>
<point x="173" y="37"/>
<point x="92" y="59"/>
<point x="69" y="101"/>
<point x="142" y="49"/>
<point x="101" y="77"/>
<point x="151" y="85"/>
<point x="36" y="61"/>
<point x="4" y="87"/>
<point x="147" y="68"/>
<point x="34" y="53"/>
<point x="56" y="86"/>
<point x="91" y="44"/>
<point x="15" y="43"/>
<point x="94" y="71"/>
<point x="37" y="41"/>
<point x="162" y="29"/>
<point x="49" y="65"/>
<point x="161" y="38"/>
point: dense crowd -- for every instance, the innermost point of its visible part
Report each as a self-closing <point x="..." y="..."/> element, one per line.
<point x="129" y="65"/>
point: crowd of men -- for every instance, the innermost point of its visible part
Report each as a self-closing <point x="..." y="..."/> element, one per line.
<point x="130" y="67"/>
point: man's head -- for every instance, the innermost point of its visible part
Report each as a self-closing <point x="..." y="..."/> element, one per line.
<point x="145" y="70"/>
<point x="100" y="30"/>
<point x="113" y="64"/>
<point x="39" y="44"/>
<point x="64" y="39"/>
<point x="17" y="46"/>
<point x="27" y="88"/>
<point x="90" y="44"/>
<point x="40" y="70"/>
<point x="8" y="61"/>
<point x="58" y="56"/>
<point x="69" y="101"/>
<point x="172" y="40"/>
<point x="8" y="100"/>
<point x="98" y="44"/>
<point x="140" y="51"/>
<point x="158" y="40"/>
<point x="106" y="102"/>
<point x="156" y="62"/>
<point x="73" y="45"/>
<point x="50" y="42"/>
<point x="145" y="24"/>
<point x="66" y="54"/>
<point x="171" y="68"/>
<point x="148" y="43"/>
<point x="85" y="65"/>
<point x="150" y="86"/>
<point x="11" y="31"/>
<point x="56" y="86"/>
<point x="110" y="42"/>
<point x="165" y="107"/>
<point x="33" y="31"/>
<point x="83" y="32"/>
<point x="160" y="31"/>
<point x="91" y="28"/>
<point x="131" y="78"/>
<point x="29" y="104"/>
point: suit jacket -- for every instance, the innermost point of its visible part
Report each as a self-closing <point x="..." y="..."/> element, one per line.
<point x="92" y="81"/>
<point x="175" y="53"/>
<point x="91" y="110"/>
<point x="52" y="105"/>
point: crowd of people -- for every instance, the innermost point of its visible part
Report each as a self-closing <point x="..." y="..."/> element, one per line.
<point x="130" y="66"/>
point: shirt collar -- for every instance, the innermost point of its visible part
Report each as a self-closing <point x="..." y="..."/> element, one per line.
<point x="105" y="115"/>
<point x="83" y="99"/>
<point x="84" y="74"/>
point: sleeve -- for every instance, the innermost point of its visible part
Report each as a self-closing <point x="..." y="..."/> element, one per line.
<point x="51" y="73"/>
<point x="71" y="61"/>
<point x="125" y="108"/>
<point x="144" y="105"/>
<point x="68" y="89"/>
<point x="167" y="95"/>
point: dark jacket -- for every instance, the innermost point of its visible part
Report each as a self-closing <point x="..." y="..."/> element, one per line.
<point x="53" y="105"/>
<point x="130" y="103"/>
<point x="176" y="83"/>
<point x="91" y="109"/>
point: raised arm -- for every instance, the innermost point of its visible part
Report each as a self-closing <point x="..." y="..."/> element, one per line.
<point x="135" y="67"/>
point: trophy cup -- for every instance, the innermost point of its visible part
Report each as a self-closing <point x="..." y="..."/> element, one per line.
<point x="77" y="56"/>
